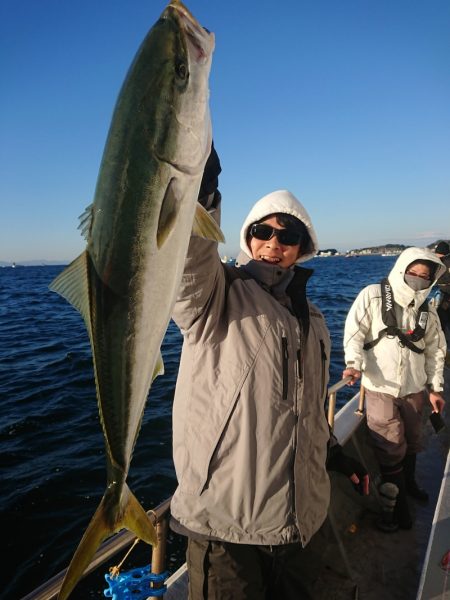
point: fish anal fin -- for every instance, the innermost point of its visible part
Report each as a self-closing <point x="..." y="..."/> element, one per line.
<point x="73" y="285"/>
<point x="205" y="226"/>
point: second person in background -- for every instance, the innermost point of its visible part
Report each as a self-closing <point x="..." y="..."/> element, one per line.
<point x="394" y="340"/>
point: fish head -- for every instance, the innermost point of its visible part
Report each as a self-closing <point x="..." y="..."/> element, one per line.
<point x="183" y="135"/>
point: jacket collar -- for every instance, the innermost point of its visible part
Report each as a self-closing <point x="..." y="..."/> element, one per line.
<point x="272" y="277"/>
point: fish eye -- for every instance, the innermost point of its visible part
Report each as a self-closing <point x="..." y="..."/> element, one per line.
<point x="181" y="70"/>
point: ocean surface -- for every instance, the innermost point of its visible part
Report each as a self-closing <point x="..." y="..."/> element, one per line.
<point x="51" y="444"/>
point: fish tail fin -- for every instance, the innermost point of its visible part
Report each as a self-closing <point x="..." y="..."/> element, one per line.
<point x="132" y="516"/>
<point x="135" y="519"/>
<point x="205" y="226"/>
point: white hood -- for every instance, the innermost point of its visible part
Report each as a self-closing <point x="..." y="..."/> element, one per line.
<point x="403" y="294"/>
<point x="280" y="201"/>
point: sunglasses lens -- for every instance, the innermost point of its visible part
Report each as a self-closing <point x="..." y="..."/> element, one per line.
<point x="261" y="232"/>
<point x="287" y="237"/>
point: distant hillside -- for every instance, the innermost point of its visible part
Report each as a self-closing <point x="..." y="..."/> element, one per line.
<point x="383" y="249"/>
<point x="390" y="248"/>
<point x="33" y="263"/>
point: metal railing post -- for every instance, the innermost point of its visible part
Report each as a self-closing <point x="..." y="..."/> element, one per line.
<point x="331" y="408"/>
<point x="332" y="398"/>
<point x="158" y="561"/>
<point x="362" y="396"/>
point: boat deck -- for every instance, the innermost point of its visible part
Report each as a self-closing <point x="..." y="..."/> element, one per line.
<point x="355" y="560"/>
<point x="372" y="564"/>
<point x="361" y="562"/>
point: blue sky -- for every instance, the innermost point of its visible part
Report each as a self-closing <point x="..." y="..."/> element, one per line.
<point x="344" y="102"/>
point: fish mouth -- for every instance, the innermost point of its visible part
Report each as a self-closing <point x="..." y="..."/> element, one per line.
<point x="200" y="39"/>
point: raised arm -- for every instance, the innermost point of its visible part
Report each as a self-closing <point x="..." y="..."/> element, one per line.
<point x="203" y="273"/>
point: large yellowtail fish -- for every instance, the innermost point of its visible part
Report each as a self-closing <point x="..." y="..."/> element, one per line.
<point x="137" y="230"/>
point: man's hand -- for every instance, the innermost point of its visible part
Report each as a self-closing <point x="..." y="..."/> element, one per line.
<point x="437" y="402"/>
<point x="361" y="485"/>
<point x="353" y="373"/>
<point x="353" y="469"/>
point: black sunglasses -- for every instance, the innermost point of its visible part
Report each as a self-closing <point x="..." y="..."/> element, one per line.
<point x="287" y="237"/>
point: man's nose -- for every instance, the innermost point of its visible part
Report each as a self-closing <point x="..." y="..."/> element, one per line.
<point x="273" y="242"/>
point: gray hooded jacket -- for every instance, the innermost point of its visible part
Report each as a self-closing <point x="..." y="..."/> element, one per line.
<point x="249" y="429"/>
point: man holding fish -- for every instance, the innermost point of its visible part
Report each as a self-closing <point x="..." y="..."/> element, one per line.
<point x="251" y="440"/>
<point x="250" y="435"/>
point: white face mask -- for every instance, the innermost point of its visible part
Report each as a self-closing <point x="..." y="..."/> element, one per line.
<point x="417" y="283"/>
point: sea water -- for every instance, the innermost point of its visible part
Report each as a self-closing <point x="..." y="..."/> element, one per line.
<point x="51" y="444"/>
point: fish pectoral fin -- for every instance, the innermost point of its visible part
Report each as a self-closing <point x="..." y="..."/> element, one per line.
<point x="73" y="285"/>
<point x="205" y="226"/>
<point x="159" y="367"/>
<point x="168" y="213"/>
<point x="130" y="515"/>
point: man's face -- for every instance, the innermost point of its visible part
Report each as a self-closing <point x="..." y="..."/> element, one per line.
<point x="272" y="251"/>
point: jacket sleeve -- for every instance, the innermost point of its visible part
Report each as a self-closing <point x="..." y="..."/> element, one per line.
<point x="202" y="280"/>
<point x="435" y="351"/>
<point x="357" y="325"/>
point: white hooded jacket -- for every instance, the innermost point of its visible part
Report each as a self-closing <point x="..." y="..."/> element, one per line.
<point x="389" y="367"/>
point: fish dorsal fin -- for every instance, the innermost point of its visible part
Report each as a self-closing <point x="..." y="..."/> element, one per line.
<point x="86" y="221"/>
<point x="159" y="367"/>
<point x="205" y="226"/>
<point x="73" y="285"/>
<point x="168" y="213"/>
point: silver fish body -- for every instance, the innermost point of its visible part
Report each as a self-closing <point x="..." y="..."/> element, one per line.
<point x="137" y="229"/>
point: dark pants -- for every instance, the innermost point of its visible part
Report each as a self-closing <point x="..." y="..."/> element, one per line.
<point x="225" y="571"/>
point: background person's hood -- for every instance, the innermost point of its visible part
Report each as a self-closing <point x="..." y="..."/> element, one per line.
<point x="403" y="294"/>
<point x="280" y="201"/>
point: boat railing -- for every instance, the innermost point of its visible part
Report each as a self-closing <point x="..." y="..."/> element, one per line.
<point x="332" y="393"/>
<point x="160" y="519"/>
<point x="118" y="542"/>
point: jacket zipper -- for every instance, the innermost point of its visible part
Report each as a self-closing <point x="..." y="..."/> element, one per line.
<point x="299" y="363"/>
<point x="284" y="346"/>
<point x="324" y="362"/>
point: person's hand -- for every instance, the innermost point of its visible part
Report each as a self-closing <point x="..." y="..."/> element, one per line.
<point x="360" y="483"/>
<point x="353" y="373"/>
<point x="437" y="402"/>
<point x="210" y="180"/>
<point x="353" y="469"/>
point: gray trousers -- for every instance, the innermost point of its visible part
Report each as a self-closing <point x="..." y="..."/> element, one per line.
<point x="225" y="571"/>
<point x="395" y="425"/>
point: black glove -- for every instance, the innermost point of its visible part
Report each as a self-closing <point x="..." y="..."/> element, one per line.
<point x="210" y="179"/>
<point x="340" y="462"/>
